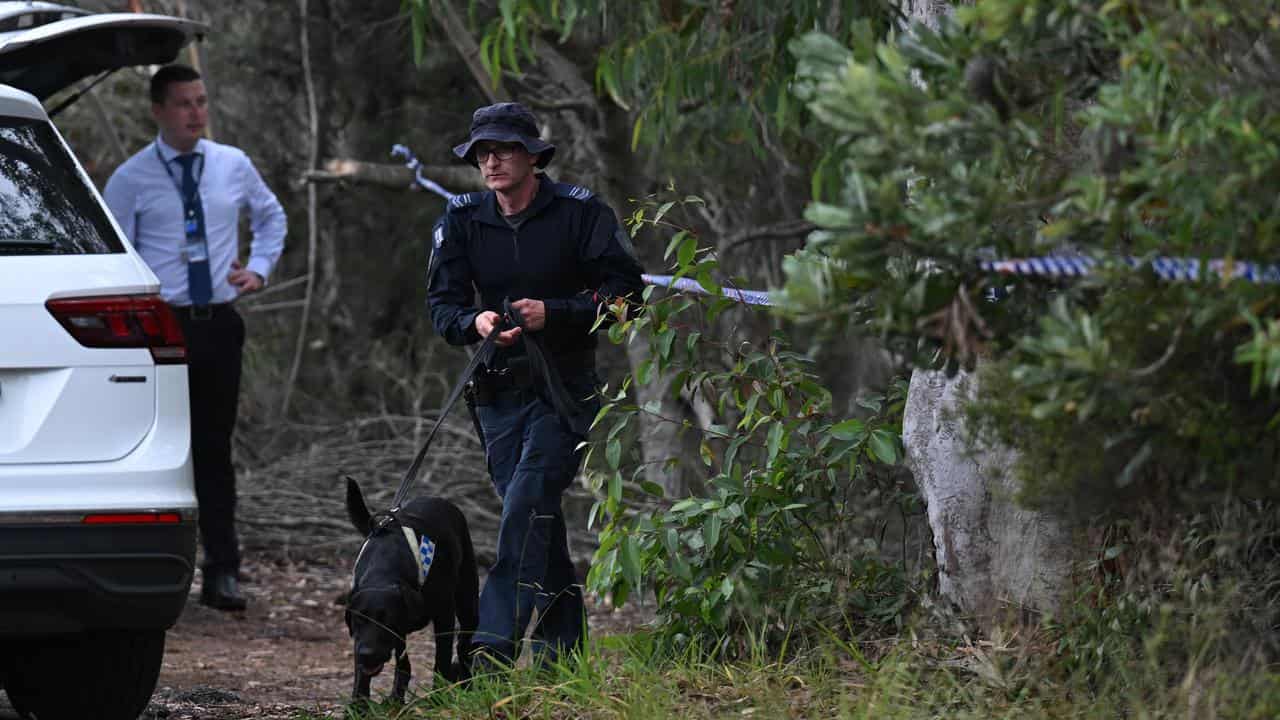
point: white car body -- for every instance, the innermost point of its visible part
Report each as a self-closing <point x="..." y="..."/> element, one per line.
<point x="97" y="500"/>
<point x="71" y="440"/>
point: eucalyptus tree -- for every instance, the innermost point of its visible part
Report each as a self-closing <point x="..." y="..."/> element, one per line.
<point x="1111" y="135"/>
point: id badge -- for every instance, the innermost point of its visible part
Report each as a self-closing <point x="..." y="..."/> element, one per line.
<point x="197" y="249"/>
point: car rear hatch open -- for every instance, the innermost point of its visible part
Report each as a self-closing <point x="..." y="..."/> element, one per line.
<point x="45" y="47"/>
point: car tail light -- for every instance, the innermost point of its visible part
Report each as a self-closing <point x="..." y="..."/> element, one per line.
<point x="153" y="518"/>
<point x="121" y="321"/>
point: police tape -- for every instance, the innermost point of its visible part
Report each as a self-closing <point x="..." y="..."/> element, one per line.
<point x="411" y="161"/>
<point x="750" y="297"/>
<point x="1166" y="268"/>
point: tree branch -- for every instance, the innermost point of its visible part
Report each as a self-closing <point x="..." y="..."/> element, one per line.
<point x="454" y="177"/>
<point x="786" y="228"/>
<point x="460" y="37"/>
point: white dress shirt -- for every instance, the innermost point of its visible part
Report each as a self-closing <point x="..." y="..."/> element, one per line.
<point x="148" y="205"/>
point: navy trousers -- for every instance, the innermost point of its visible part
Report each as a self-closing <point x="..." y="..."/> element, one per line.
<point x="214" y="348"/>
<point x="532" y="460"/>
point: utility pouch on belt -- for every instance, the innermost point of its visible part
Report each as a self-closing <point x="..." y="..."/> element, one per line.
<point x="479" y="392"/>
<point x="472" y="394"/>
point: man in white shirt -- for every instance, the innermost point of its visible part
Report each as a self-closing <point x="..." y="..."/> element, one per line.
<point x="178" y="201"/>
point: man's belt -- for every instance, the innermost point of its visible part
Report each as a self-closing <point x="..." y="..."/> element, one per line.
<point x="200" y="312"/>
<point x="519" y="372"/>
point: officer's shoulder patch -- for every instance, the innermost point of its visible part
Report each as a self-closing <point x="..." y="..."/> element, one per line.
<point x="465" y="200"/>
<point x="577" y="192"/>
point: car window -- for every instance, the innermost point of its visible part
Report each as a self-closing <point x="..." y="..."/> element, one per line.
<point x="45" y="206"/>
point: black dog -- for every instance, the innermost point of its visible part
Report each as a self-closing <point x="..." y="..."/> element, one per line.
<point x="417" y="567"/>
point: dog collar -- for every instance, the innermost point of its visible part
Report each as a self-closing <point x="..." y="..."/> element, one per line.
<point x="423" y="551"/>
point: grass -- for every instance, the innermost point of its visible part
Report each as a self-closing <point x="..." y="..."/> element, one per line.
<point x="624" y="678"/>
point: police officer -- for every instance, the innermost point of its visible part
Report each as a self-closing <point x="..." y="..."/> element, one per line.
<point x="556" y="253"/>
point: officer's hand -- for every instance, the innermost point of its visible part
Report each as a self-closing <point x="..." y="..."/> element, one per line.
<point x="534" y="313"/>
<point x="245" y="281"/>
<point x="485" y="323"/>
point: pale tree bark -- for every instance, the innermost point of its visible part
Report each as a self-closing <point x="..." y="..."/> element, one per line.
<point x="993" y="555"/>
<point x="995" y="558"/>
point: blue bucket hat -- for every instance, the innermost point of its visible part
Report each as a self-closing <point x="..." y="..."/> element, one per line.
<point x="506" y="122"/>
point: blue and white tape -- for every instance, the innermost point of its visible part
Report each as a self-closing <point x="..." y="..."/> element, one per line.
<point x="1167" y="268"/>
<point x="750" y="297"/>
<point x="411" y="162"/>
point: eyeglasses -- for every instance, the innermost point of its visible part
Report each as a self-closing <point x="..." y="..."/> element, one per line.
<point x="502" y="152"/>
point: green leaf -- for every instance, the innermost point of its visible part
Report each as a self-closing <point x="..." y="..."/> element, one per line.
<point x="635" y="132"/>
<point x="652" y="488"/>
<point x="508" y="10"/>
<point x="645" y="372"/>
<point x="613" y="453"/>
<point x="631" y="564"/>
<point x="675" y="242"/>
<point x="848" y="430"/>
<point x="711" y="531"/>
<point x="607" y="76"/>
<point x="665" y="340"/>
<point x="418" y="26"/>
<point x="604" y="410"/>
<point x="884" y="446"/>
<point x="688" y="248"/>
<point x="726" y="588"/>
<point x="618" y="426"/>
<point x="774" y="442"/>
<point x="615" y="488"/>
<point x="662" y="211"/>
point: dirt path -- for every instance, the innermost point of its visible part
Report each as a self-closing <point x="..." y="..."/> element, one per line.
<point x="288" y="652"/>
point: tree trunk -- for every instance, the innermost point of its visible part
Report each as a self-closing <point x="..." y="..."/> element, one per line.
<point x="994" y="557"/>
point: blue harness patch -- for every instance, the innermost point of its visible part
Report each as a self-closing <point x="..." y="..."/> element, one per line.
<point x="426" y="554"/>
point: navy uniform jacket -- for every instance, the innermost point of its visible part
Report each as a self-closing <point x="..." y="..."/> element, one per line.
<point x="570" y="252"/>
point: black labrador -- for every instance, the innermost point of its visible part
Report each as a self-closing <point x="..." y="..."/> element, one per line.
<point x="417" y="567"/>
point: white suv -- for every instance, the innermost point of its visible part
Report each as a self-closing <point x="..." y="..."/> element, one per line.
<point x="97" y="505"/>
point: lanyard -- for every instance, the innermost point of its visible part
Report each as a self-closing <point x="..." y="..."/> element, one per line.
<point x="187" y="202"/>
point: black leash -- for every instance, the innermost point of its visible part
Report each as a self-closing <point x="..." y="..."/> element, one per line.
<point x="539" y="360"/>
<point x="480" y="356"/>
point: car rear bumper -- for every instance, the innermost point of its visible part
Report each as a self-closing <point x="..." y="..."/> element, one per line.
<point x="57" y="578"/>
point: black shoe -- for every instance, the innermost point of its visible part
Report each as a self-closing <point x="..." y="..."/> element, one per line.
<point x="221" y="591"/>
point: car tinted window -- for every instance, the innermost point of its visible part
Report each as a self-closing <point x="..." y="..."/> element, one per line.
<point x="45" y="206"/>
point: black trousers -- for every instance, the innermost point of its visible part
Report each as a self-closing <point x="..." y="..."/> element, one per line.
<point x="214" y="348"/>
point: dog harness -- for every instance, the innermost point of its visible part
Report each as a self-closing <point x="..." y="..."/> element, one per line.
<point x="423" y="551"/>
